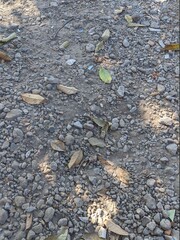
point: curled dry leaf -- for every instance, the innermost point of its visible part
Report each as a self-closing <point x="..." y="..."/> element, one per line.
<point x="28" y="221"/>
<point x="67" y="90"/>
<point x="119" y="10"/>
<point x="76" y="158"/>
<point x="121" y="174"/>
<point x="173" y="47"/>
<point x="128" y="18"/>
<point x="104" y="129"/>
<point x="96" y="142"/>
<point x="33" y="99"/>
<point x="99" y="46"/>
<point x="58" y="145"/>
<point x="4" y="56"/>
<point x="106" y="34"/>
<point x="113" y="227"/>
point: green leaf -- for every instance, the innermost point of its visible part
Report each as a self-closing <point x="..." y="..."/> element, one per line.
<point x="63" y="235"/>
<point x="7" y="39"/>
<point x="99" y="46"/>
<point x="131" y="24"/>
<point x="128" y="18"/>
<point x="104" y="75"/>
<point x="171" y="214"/>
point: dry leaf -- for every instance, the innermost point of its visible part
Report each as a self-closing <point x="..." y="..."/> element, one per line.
<point x="128" y="18"/>
<point x="58" y="145"/>
<point x="131" y="24"/>
<point x="106" y="34"/>
<point x="119" y="10"/>
<point x="121" y="174"/>
<point x="28" y="221"/>
<point x="76" y="158"/>
<point x="111" y="226"/>
<point x="96" y="142"/>
<point x="64" y="45"/>
<point x="104" y="129"/>
<point x="4" y="56"/>
<point x="173" y="47"/>
<point x="32" y="98"/>
<point x="67" y="90"/>
<point x="91" y="236"/>
<point x="100" y="122"/>
<point x="99" y="46"/>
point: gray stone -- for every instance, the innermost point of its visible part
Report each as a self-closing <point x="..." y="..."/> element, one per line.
<point x="176" y="185"/>
<point x="14" y="113"/>
<point x="63" y="222"/>
<point x="54" y="166"/>
<point x="157" y="218"/>
<point x="18" y="135"/>
<point x="172" y="148"/>
<point x="31" y="235"/>
<point x="70" y="61"/>
<point x="150" y="201"/>
<point x="49" y="214"/>
<point x="167" y="121"/>
<point x="160" y="88"/>
<point x="115" y="124"/>
<point x="3" y="216"/>
<point x="126" y="43"/>
<point x="90" y="47"/>
<point x="151" y="226"/>
<point x="78" y="124"/>
<point x="158" y="231"/>
<point x="69" y="139"/>
<point x="37" y="228"/>
<point x="78" y="202"/>
<point x="145" y="220"/>
<point x="165" y="224"/>
<point x="5" y="145"/>
<point x="1" y="107"/>
<point x="19" y="201"/>
<point x="150" y="182"/>
<point x="121" y="91"/>
<point x="122" y="123"/>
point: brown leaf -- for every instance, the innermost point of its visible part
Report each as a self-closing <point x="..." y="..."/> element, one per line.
<point x="58" y="145"/>
<point x="28" y="221"/>
<point x="33" y="99"/>
<point x="121" y="174"/>
<point x="96" y="142"/>
<point x="4" y="56"/>
<point x="113" y="227"/>
<point x="173" y="47"/>
<point x="76" y="158"/>
<point x="67" y="90"/>
<point x="104" y="129"/>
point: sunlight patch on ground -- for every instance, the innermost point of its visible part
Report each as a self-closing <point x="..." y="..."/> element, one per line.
<point x="12" y="11"/>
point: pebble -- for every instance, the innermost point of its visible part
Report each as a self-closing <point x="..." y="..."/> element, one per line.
<point x="150" y="201"/>
<point x="165" y="224"/>
<point x="1" y="107"/>
<point x="19" y="201"/>
<point x="70" y="62"/>
<point x="63" y="222"/>
<point x="49" y="214"/>
<point x="172" y="148"/>
<point x="126" y="43"/>
<point x="78" y="124"/>
<point x="90" y="47"/>
<point x="157" y="218"/>
<point x="161" y="88"/>
<point x="145" y="220"/>
<point x="121" y="91"/>
<point x="31" y="234"/>
<point x="14" y="113"/>
<point x="122" y="123"/>
<point x="69" y="139"/>
<point x="151" y="226"/>
<point x="3" y="216"/>
<point x="18" y="135"/>
<point x="114" y="124"/>
<point x="150" y="182"/>
<point x="78" y="202"/>
<point x="37" y="228"/>
<point x="167" y="121"/>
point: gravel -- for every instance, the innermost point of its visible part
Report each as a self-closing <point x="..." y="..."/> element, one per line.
<point x="129" y="124"/>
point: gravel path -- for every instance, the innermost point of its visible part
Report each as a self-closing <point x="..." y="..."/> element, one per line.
<point x="56" y="45"/>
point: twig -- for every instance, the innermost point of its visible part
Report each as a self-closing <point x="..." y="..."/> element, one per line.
<point x="62" y="27"/>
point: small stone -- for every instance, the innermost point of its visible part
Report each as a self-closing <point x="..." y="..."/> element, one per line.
<point x="5" y="145"/>
<point x="49" y="214"/>
<point x="151" y="226"/>
<point x="90" y="47"/>
<point x="158" y="232"/>
<point x="78" y="202"/>
<point x="164" y="159"/>
<point x="145" y="220"/>
<point x="167" y="121"/>
<point x="53" y="4"/>
<point x="165" y="224"/>
<point x="69" y="139"/>
<point x="121" y="91"/>
<point x="150" y="201"/>
<point x="126" y="43"/>
<point x="172" y="148"/>
<point x="1" y="107"/>
<point x="18" y="135"/>
<point x="14" y="113"/>
<point x="70" y="61"/>
<point x="31" y="234"/>
<point x="19" y="201"/>
<point x="37" y="228"/>
<point x="3" y="216"/>
<point x="160" y="88"/>
<point x="122" y="123"/>
<point x="63" y="222"/>
<point x="54" y="166"/>
<point x="150" y="182"/>
<point x="157" y="218"/>
<point x="115" y="124"/>
<point x="78" y="124"/>
<point x="176" y="185"/>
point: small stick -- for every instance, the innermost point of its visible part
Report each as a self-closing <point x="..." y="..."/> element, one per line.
<point x="62" y="27"/>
